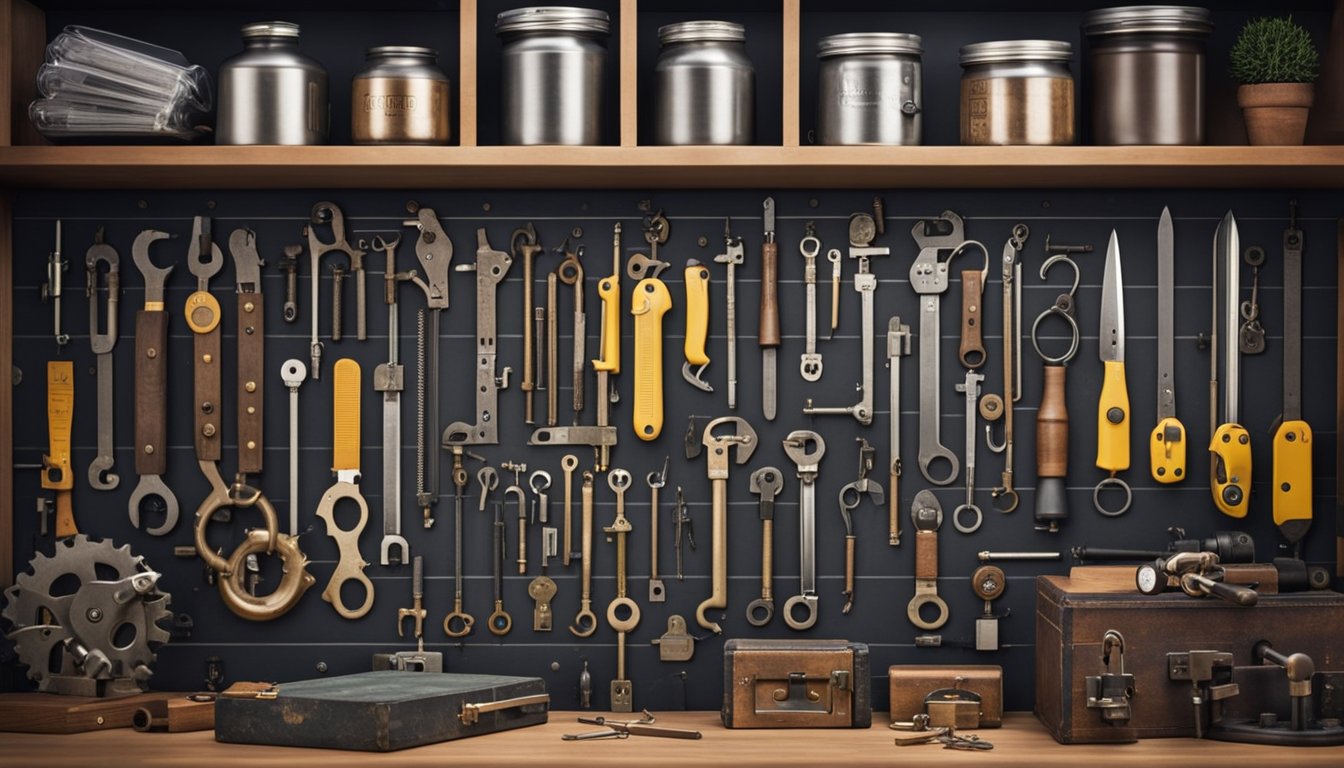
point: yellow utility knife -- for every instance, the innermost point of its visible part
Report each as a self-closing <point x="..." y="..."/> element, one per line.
<point x="1292" y="439"/>
<point x="56" y="474"/>
<point x="1167" y="446"/>
<point x="697" y="325"/>
<point x="1230" y="446"/>
<point x="650" y="302"/>
<point x="1113" y="406"/>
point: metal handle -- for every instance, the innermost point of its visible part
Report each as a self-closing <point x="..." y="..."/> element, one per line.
<point x="471" y="713"/>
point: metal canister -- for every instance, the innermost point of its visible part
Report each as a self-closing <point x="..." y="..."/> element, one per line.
<point x="870" y="88"/>
<point x="551" y="81"/>
<point x="400" y="97"/>
<point x="1017" y="92"/>
<point x="1146" y="73"/>
<point x="271" y="93"/>
<point x="706" y="85"/>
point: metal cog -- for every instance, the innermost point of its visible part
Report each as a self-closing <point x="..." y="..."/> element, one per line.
<point x="85" y="623"/>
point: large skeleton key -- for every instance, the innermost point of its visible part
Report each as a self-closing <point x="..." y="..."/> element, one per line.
<point x="542" y="589"/>
<point x="622" y="697"/>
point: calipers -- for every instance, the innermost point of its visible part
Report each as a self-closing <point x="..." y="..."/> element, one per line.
<point x="101" y="476"/>
<point x="928" y="276"/>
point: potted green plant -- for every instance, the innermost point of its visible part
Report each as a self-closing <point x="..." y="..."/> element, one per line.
<point x="1275" y="61"/>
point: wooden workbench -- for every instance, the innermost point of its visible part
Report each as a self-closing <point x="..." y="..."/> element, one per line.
<point x="1022" y="741"/>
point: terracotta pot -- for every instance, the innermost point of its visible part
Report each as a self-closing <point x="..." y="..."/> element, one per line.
<point x="1276" y="113"/>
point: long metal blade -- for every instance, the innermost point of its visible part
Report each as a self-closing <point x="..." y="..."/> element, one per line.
<point x="1166" y="325"/>
<point x="768" y="376"/>
<point x="1227" y="315"/>
<point x="1111" y="331"/>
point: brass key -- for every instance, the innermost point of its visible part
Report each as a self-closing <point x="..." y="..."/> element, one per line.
<point x="621" y="689"/>
<point x="543" y="588"/>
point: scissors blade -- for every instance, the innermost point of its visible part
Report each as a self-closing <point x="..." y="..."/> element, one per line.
<point x="1112" y="328"/>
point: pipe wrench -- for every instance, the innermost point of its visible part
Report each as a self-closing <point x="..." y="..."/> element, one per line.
<point x="1230" y="464"/>
<point x="697" y="325"/>
<point x="101" y="476"/>
<point x="1167" y="447"/>
<point x="1113" y="405"/>
<point x="435" y="252"/>
<point x="649" y="303"/>
<point x="929" y="279"/>
<point x="151" y="388"/>
<point x="1292" y="438"/>
<point x="345" y="376"/>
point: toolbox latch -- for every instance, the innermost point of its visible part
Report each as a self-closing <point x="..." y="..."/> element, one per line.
<point x="840" y="680"/>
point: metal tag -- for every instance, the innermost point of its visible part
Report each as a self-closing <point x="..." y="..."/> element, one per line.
<point x="676" y="644"/>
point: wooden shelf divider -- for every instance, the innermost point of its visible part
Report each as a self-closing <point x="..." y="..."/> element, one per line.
<point x="792" y="49"/>
<point x="467" y="73"/>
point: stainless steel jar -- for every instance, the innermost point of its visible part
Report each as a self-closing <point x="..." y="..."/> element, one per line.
<point x="271" y="93"/>
<point x="551" y="80"/>
<point x="870" y="88"/>
<point x="1146" y="74"/>
<point x="706" y="85"/>
<point x="1017" y="92"/>
<point x="400" y="97"/>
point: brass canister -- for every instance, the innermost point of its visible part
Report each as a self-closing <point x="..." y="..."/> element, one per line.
<point x="1016" y="92"/>
<point x="400" y="97"/>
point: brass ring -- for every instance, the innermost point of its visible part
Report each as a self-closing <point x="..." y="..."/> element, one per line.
<point x="218" y="499"/>
<point x="293" y="584"/>
<point x="628" y="624"/>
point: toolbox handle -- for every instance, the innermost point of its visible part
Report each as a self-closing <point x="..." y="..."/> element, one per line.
<point x="472" y="712"/>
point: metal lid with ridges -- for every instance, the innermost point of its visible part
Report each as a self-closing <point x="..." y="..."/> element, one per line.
<point x="1003" y="51"/>
<point x="859" y="43"/>
<point x="270" y="29"/>
<point x="701" y="31"/>
<point x="553" y="19"/>
<point x="417" y="51"/>
<point x="1131" y="19"/>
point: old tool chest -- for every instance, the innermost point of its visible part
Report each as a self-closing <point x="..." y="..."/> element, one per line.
<point x="1074" y="615"/>
<point x="796" y="684"/>
<point x="382" y="711"/>
<point x="964" y="695"/>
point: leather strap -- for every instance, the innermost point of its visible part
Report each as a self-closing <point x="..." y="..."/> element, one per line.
<point x="203" y="316"/>
<point x="251" y="364"/>
<point x="151" y="392"/>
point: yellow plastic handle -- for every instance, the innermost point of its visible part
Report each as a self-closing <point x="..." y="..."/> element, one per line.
<point x="56" y="473"/>
<point x="345" y="416"/>
<point x="650" y="302"/>
<point x="609" y="346"/>
<point x="1230" y="469"/>
<point x="1292" y="472"/>
<point x="697" y="313"/>
<point x="1113" y="419"/>
<point x="1167" y="451"/>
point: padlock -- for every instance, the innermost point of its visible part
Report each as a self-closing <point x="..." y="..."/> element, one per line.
<point x="1111" y="692"/>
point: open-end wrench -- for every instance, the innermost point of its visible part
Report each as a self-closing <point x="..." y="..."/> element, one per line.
<point x="293" y="372"/>
<point x="805" y="448"/>
<point x="151" y="390"/>
<point x="929" y="279"/>
<point x="810" y="246"/>
<point x="656" y="480"/>
<point x="898" y="346"/>
<point x="101" y="476"/>
<point x="719" y="442"/>
<point x="585" y="622"/>
<point x="850" y="497"/>
<point x="766" y="483"/>
<point x="971" y="389"/>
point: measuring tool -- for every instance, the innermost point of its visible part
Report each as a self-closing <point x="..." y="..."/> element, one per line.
<point x="1292" y="438"/>
<point x="1167" y="450"/>
<point x="101" y="476"/>
<point x="1113" y="406"/>
<point x="56" y="474"/>
<point x="1230" y="446"/>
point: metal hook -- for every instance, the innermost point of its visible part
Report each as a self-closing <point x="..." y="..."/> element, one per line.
<point x="1077" y="273"/>
<point x="984" y="271"/>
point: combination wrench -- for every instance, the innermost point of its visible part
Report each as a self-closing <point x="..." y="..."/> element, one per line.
<point x="101" y="476"/>
<point x="766" y="483"/>
<point x="805" y="448"/>
<point x="151" y="390"/>
<point x="809" y="247"/>
<point x="929" y="279"/>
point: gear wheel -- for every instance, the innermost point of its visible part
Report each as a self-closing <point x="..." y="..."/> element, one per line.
<point x="95" y="607"/>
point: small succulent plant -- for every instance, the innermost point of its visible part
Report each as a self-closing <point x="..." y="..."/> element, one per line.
<point x="1274" y="50"/>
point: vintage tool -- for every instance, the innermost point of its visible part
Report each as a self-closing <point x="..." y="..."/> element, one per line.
<point x="1113" y="406"/>
<point x="682" y="524"/>
<point x="289" y="265"/>
<point x="766" y="483"/>
<point x="971" y="389"/>
<point x="697" y="325"/>
<point x="971" y="352"/>
<point x="1196" y="573"/>
<point x="1339" y="395"/>
<point x="1230" y="444"/>
<point x="1052" y="418"/>
<point x="293" y="372"/>
<point x="1306" y="686"/>
<point x="151" y="389"/>
<point x="56" y="474"/>
<point x="1292" y="486"/>
<point x="656" y="231"/>
<point x="988" y="582"/>
<point x="850" y="497"/>
<point x="962" y="696"/>
<point x="837" y="260"/>
<point x="927" y="515"/>
<point x="656" y="481"/>
<point x="418" y="660"/>
<point x="247" y="264"/>
<point x="1111" y="692"/>
<point x="585" y="687"/>
<point x="345" y="466"/>
<point x="458" y="623"/>
<point x="768" y="332"/>
<point x="1167" y="451"/>
<point x="898" y="346"/>
<point x="326" y="212"/>
<point x="523" y="243"/>
<point x="52" y="288"/>
<point x="734" y="254"/>
<point x="520" y="498"/>
<point x="434" y="251"/>
<point x="1251" y="335"/>
<point x="1210" y="674"/>
<point x="568" y="464"/>
<point x="552" y="349"/>
<point x="97" y="640"/>
<point x="101" y="476"/>
<point x="719" y="442"/>
<point x="570" y="271"/>
<point x="540" y="482"/>
<point x="203" y="315"/>
<point x="928" y="277"/>
<point x="810" y="365"/>
<point x="499" y="620"/>
<point x="622" y="612"/>
<point x="676" y="644"/>
<point x="1230" y="546"/>
<point x="947" y="736"/>
<point x="649" y="303"/>
<point x="1005" y="495"/>
<point x="389" y="378"/>
<point x="542" y="589"/>
<point x="865" y="283"/>
<point x="986" y="556"/>
<point x="624" y="729"/>
<point x="490" y="267"/>
<point x="805" y="448"/>
<point x="338" y="274"/>
<point x="796" y="684"/>
<point x="585" y="622"/>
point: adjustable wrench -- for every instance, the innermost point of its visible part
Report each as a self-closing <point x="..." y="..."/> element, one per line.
<point x="810" y="246"/>
<point x="389" y="378"/>
<point x="898" y="346"/>
<point x="328" y="212"/>
<point x="928" y="277"/>
<point x="656" y="480"/>
<point x="56" y="475"/>
<point x="434" y="251"/>
<point x="151" y="391"/>
<point x="101" y="476"/>
<point x="850" y="497"/>
<point x="971" y="389"/>
<point x="719" y="444"/>
<point x="766" y="483"/>
<point x="805" y="448"/>
<point x="733" y="255"/>
<point x="293" y="373"/>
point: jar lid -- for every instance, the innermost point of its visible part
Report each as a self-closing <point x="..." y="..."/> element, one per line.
<point x="1003" y="51"/>
<point x="858" y="43"/>
<point x="392" y="51"/>
<point x="553" y="19"/>
<point x="1177" y="19"/>
<point x="701" y="31"/>
<point x="271" y="29"/>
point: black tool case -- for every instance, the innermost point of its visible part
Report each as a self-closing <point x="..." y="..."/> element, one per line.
<point x="382" y="711"/>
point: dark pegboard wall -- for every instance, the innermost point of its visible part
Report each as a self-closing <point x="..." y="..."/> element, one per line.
<point x="293" y="646"/>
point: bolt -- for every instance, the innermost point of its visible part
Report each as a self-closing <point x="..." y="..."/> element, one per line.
<point x="95" y="614"/>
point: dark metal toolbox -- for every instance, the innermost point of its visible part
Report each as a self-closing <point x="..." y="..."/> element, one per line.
<point x="796" y="684"/>
<point x="382" y="711"/>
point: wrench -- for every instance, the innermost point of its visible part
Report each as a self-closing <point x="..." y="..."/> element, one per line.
<point x="434" y="251"/>
<point x="101" y="476"/>
<point x="810" y="246"/>
<point x="850" y="497"/>
<point x="585" y="622"/>
<point x="293" y="373"/>
<point x="151" y="392"/>
<point x="656" y="480"/>
<point x="289" y="264"/>
<point x="328" y="212"/>
<point x="499" y="621"/>
<point x="898" y="346"/>
<point x="928" y="277"/>
<point x="734" y="253"/>
<point x="927" y="515"/>
<point x="523" y="243"/>
<point x="570" y="271"/>
<point x="805" y="448"/>
<point x="718" y="445"/>
<point x="766" y="482"/>
<point x="970" y="388"/>
<point x="1004" y="495"/>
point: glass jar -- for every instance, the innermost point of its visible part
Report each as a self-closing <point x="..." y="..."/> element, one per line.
<point x="271" y="93"/>
<point x="1017" y="92"/>
<point x="706" y="85"/>
<point x="400" y="97"/>
<point x="551" y="75"/>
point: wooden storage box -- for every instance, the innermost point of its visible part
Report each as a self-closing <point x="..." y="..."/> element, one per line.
<point x="796" y="684"/>
<point x="911" y="684"/>
<point x="1072" y="615"/>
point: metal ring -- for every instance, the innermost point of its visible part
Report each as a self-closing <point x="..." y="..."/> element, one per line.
<point x="760" y="611"/>
<point x="1009" y="495"/>
<point x="627" y="624"/>
<point x="218" y="499"/>
<point x="585" y="623"/>
<point x="293" y="584"/>
<point x="465" y="618"/>
<point x="807" y="601"/>
<point x="1108" y="482"/>
<point x="919" y="601"/>
<point x="956" y="518"/>
<point x="1073" y="326"/>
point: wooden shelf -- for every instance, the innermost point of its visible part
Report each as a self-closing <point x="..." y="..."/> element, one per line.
<point x="669" y="167"/>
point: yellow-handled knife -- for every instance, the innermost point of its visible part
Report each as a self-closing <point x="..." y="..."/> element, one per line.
<point x="1113" y="405"/>
<point x="1292" y="439"/>
<point x="1167" y="446"/>
<point x="650" y="302"/>
<point x="1230" y="446"/>
<point x="697" y="325"/>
